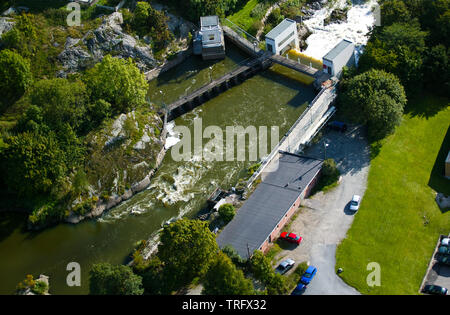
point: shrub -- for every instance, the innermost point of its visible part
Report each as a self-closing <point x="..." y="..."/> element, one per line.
<point x="227" y="212"/>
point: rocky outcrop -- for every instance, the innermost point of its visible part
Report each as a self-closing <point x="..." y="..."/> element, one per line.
<point x="108" y="38"/>
<point x="6" y="24"/>
<point x="124" y="157"/>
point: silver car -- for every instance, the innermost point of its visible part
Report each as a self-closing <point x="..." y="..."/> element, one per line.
<point x="284" y="266"/>
<point x="354" y="204"/>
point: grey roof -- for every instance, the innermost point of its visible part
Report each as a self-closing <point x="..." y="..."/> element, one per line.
<point x="211" y="20"/>
<point x="333" y="53"/>
<point x="280" y="28"/>
<point x="269" y="203"/>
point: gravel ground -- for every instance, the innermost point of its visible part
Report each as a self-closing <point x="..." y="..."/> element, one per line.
<point x="325" y="218"/>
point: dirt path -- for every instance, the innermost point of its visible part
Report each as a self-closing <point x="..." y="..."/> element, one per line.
<point x="324" y="220"/>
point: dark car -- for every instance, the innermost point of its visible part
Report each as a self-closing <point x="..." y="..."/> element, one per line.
<point x="444" y="250"/>
<point x="434" y="289"/>
<point x="291" y="237"/>
<point x="337" y="125"/>
<point x="444" y="259"/>
<point x="308" y="275"/>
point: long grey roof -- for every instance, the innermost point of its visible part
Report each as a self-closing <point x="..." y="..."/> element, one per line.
<point x="333" y="53"/>
<point x="269" y="203"/>
<point x="280" y="28"/>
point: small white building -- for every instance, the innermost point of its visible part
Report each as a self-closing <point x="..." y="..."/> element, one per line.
<point x="340" y="56"/>
<point x="212" y="38"/>
<point x="283" y="37"/>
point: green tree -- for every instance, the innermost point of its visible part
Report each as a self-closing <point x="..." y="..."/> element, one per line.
<point x="32" y="163"/>
<point x="107" y="279"/>
<point x="15" y="77"/>
<point x="375" y="98"/>
<point x="263" y="271"/>
<point x="393" y="11"/>
<point x="117" y="81"/>
<point x="186" y="249"/>
<point x="227" y="212"/>
<point x="437" y="69"/>
<point x="61" y="102"/>
<point x="223" y="278"/>
<point x="141" y="17"/>
<point x="398" y="49"/>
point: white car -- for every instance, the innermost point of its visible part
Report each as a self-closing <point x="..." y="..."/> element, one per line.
<point x="354" y="204"/>
<point x="445" y="242"/>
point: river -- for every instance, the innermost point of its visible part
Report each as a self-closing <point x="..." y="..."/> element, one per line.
<point x="275" y="97"/>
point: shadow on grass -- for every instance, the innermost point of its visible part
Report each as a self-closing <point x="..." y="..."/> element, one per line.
<point x="426" y="107"/>
<point x="437" y="181"/>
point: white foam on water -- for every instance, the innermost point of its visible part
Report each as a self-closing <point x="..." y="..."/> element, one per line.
<point x="172" y="137"/>
<point x="359" y="20"/>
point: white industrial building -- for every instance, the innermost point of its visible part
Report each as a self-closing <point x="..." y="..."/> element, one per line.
<point x="283" y="37"/>
<point x="210" y="41"/>
<point x="340" y="56"/>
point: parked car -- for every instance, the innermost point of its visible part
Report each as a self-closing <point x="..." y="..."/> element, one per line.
<point x="445" y="241"/>
<point x="444" y="259"/>
<point x="355" y="202"/>
<point x="308" y="275"/>
<point x="444" y="250"/>
<point x="434" y="289"/>
<point x="337" y="125"/>
<point x="291" y="237"/>
<point x="284" y="266"/>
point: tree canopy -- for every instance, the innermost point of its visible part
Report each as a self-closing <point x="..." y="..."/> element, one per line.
<point x="15" y="77"/>
<point x="223" y="278"/>
<point x="186" y="249"/>
<point x="375" y="98"/>
<point x="107" y="279"/>
<point x="118" y="82"/>
<point x="227" y="212"/>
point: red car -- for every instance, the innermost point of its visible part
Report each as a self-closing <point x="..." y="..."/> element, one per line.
<point x="291" y="237"/>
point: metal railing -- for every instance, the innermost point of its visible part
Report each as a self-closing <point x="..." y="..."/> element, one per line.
<point x="239" y="30"/>
<point x="316" y="109"/>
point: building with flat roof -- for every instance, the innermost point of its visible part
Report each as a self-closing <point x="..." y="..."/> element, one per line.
<point x="259" y="221"/>
<point x="210" y="41"/>
<point x="283" y="37"/>
<point x="340" y="56"/>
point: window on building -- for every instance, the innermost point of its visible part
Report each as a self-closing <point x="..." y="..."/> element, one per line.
<point x="286" y="39"/>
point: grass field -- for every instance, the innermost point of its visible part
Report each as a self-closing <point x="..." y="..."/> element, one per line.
<point x="398" y="223"/>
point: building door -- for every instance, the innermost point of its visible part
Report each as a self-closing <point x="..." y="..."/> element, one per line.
<point x="329" y="70"/>
<point x="270" y="48"/>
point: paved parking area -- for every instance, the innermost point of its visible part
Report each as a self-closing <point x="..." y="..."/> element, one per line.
<point x="437" y="273"/>
<point x="325" y="219"/>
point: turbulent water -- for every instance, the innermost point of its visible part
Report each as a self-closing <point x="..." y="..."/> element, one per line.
<point x="360" y="19"/>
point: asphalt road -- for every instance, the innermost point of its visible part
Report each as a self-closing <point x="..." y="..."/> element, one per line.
<point x="325" y="218"/>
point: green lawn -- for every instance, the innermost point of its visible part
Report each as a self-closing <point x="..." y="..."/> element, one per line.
<point x="398" y="223"/>
<point x="243" y="19"/>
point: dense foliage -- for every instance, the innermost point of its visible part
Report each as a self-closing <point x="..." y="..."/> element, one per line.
<point x="194" y="9"/>
<point x="117" y="81"/>
<point x="107" y="279"/>
<point x="262" y="270"/>
<point x="186" y="249"/>
<point x="223" y="278"/>
<point x="15" y="77"/>
<point x="375" y="98"/>
<point x="227" y="212"/>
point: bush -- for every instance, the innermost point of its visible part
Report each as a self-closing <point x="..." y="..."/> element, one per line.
<point x="15" y="77"/>
<point x="375" y="98"/>
<point x="227" y="212"/>
<point x="107" y="279"/>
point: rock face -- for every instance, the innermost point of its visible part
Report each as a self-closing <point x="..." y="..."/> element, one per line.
<point x="6" y="24"/>
<point x="123" y="157"/>
<point x="108" y="38"/>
